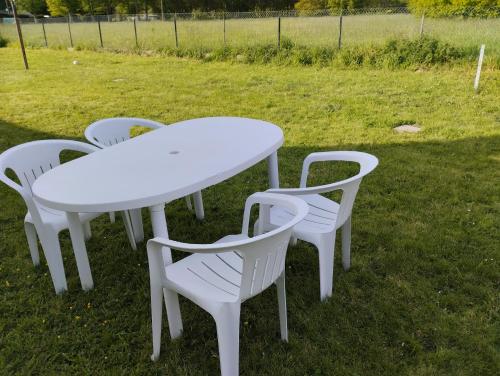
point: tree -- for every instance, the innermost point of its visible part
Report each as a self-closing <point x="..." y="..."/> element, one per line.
<point x="311" y="4"/>
<point x="32" y="6"/>
<point x="465" y="8"/>
<point x="63" y="7"/>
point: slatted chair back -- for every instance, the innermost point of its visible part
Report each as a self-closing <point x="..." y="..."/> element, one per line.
<point x="263" y="255"/>
<point x="349" y="187"/>
<point x="30" y="160"/>
<point x="108" y="132"/>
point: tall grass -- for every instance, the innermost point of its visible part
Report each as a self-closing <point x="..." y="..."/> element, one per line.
<point x="302" y="31"/>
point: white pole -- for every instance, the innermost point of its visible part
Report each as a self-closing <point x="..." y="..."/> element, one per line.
<point x="479" y="65"/>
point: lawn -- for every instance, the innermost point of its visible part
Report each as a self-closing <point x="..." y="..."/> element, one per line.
<point x="421" y="297"/>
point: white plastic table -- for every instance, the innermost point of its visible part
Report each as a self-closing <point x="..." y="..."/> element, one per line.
<point x="156" y="168"/>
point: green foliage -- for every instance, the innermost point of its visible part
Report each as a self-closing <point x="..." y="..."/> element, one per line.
<point x="449" y="8"/>
<point x="356" y="4"/>
<point x="311" y="4"/>
<point x="36" y="7"/>
<point x="63" y="7"/>
<point x="394" y="54"/>
<point x="3" y="41"/>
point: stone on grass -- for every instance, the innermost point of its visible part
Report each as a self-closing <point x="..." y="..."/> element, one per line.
<point x="407" y="128"/>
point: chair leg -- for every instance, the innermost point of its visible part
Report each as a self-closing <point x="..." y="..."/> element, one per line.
<point x="52" y="251"/>
<point x="326" y="252"/>
<point x="137" y="226"/>
<point x="198" y="205"/>
<point x="87" y="230"/>
<point x="112" y="217"/>
<point x="280" y="284"/>
<point x="156" y="319"/>
<point x="346" y="244"/>
<point x="128" y="229"/>
<point x="188" y="203"/>
<point x="30" y="230"/>
<point x="173" y="313"/>
<point x="228" y="336"/>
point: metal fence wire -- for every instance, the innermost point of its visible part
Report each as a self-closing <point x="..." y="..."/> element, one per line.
<point x="210" y="30"/>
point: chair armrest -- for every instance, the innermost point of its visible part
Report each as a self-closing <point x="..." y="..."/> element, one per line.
<point x="156" y="244"/>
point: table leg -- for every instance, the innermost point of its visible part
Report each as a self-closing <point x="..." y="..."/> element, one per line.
<point x="137" y="226"/>
<point x="198" y="205"/>
<point x="272" y="167"/>
<point x="80" y="251"/>
<point x="171" y="299"/>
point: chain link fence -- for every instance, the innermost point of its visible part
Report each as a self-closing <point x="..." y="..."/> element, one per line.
<point x="210" y="30"/>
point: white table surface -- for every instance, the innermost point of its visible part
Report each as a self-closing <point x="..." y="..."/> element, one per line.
<point x="155" y="168"/>
<point x="159" y="166"/>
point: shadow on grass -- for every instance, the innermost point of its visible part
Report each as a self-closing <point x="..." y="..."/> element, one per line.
<point x="418" y="298"/>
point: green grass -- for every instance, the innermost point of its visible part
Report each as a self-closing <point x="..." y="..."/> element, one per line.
<point x="421" y="297"/>
<point x="305" y="31"/>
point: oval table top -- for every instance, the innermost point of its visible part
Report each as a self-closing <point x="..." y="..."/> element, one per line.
<point x="159" y="166"/>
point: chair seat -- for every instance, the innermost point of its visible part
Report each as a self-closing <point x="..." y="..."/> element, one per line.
<point x="208" y="276"/>
<point x="56" y="218"/>
<point x="322" y="216"/>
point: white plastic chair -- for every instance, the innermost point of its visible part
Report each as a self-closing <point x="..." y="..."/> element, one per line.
<point x="326" y="216"/>
<point x="108" y="132"/>
<point x="28" y="161"/>
<point x="219" y="277"/>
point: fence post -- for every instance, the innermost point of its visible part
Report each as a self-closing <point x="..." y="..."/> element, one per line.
<point x="19" y="34"/>
<point x="161" y="9"/>
<point x="135" y="33"/>
<point x="175" y="31"/>
<point x="100" y="32"/>
<point x="279" y="32"/>
<point x="422" y="24"/>
<point x="340" y="27"/>
<point x="479" y="65"/>
<point x="69" y="30"/>
<point x="224" y="23"/>
<point x="42" y="21"/>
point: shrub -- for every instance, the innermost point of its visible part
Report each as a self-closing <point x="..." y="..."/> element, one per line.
<point x="3" y="41"/>
<point x="394" y="54"/>
<point x="462" y="8"/>
<point x="421" y="51"/>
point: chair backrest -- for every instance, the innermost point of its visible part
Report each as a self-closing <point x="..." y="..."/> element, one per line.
<point x="349" y="187"/>
<point x="108" y="132"/>
<point x="263" y="255"/>
<point x="32" y="159"/>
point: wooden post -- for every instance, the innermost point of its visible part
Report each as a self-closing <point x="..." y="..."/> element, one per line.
<point x="175" y="31"/>
<point x="19" y="34"/>
<point x="161" y="8"/>
<point x="69" y="30"/>
<point x="100" y="32"/>
<point x="479" y="66"/>
<point x="340" y="26"/>
<point x="279" y="32"/>
<point x="44" y="33"/>
<point x="422" y="24"/>
<point x="224" y="25"/>
<point x="135" y="33"/>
